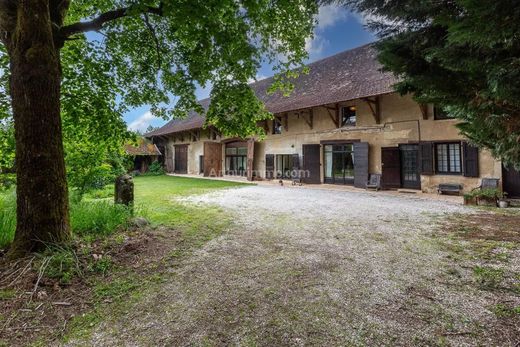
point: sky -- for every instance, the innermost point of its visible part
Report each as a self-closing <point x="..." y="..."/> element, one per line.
<point x="337" y="30"/>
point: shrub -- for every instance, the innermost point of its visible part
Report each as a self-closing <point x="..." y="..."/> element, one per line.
<point x="488" y="193"/>
<point x="7" y="181"/>
<point x="156" y="169"/>
<point x="98" y="218"/>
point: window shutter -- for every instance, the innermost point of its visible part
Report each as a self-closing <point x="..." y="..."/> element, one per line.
<point x="426" y="158"/>
<point x="470" y="160"/>
<point x="296" y="161"/>
<point x="269" y="166"/>
<point x="360" y="164"/>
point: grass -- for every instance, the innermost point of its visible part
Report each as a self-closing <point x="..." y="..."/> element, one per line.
<point x="98" y="218"/>
<point x="156" y="195"/>
<point x="7" y="217"/>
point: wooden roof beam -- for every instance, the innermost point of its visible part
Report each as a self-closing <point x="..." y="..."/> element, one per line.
<point x="424" y="111"/>
<point x="310" y="120"/>
<point x="375" y="108"/>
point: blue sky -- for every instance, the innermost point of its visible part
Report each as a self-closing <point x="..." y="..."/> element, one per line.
<point x="337" y="31"/>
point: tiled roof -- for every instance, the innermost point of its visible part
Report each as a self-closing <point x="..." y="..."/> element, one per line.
<point x="345" y="76"/>
<point x="143" y="148"/>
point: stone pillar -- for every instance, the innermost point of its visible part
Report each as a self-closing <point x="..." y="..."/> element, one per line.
<point x="124" y="192"/>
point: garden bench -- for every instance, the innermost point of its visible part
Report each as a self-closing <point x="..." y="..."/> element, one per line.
<point x="449" y="188"/>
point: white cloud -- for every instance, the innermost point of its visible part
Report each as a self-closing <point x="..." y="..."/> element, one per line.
<point x="327" y="17"/>
<point x="142" y="122"/>
<point x="258" y="77"/>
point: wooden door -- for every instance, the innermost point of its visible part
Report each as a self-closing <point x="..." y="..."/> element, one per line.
<point x="511" y="181"/>
<point x="311" y="164"/>
<point x="391" y="167"/>
<point x="212" y="159"/>
<point x="410" y="174"/>
<point x="181" y="159"/>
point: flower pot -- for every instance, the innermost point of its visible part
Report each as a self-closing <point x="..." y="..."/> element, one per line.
<point x="470" y="200"/>
<point x="503" y="204"/>
<point x="487" y="202"/>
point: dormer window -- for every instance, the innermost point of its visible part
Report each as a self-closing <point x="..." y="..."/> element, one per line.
<point x="440" y="114"/>
<point x="277" y="126"/>
<point x="348" y="116"/>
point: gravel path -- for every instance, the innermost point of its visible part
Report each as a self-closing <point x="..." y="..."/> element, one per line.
<point x="310" y="267"/>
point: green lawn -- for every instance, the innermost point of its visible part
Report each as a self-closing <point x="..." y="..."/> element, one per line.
<point x="155" y="198"/>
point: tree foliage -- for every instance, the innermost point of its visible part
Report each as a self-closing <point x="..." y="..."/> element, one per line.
<point x="462" y="55"/>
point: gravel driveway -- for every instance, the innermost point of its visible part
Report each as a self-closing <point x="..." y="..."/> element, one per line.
<point x="312" y="267"/>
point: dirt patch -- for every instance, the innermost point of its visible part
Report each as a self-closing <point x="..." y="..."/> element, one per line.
<point x="487" y="226"/>
<point x="38" y="308"/>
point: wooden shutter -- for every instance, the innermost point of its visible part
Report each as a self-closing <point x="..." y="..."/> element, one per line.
<point x="426" y="158"/>
<point x="296" y="162"/>
<point x="360" y="164"/>
<point x="470" y="160"/>
<point x="269" y="166"/>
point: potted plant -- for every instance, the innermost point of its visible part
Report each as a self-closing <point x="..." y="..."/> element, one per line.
<point x="488" y="197"/>
<point x="470" y="198"/>
<point x="502" y="201"/>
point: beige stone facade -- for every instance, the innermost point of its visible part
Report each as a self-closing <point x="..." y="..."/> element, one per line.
<point x="401" y="121"/>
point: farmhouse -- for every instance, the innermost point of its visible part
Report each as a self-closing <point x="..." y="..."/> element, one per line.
<point x="343" y="122"/>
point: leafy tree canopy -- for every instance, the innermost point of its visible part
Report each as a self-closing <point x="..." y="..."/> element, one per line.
<point x="462" y="55"/>
<point x="157" y="52"/>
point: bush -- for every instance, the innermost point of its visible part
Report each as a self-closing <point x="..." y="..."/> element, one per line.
<point x="156" y="169"/>
<point x="7" y="181"/>
<point x="98" y="218"/>
<point x="488" y="193"/>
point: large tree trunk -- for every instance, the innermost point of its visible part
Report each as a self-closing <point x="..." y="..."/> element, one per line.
<point x="42" y="197"/>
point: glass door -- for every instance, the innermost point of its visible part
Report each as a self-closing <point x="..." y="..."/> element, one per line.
<point x="410" y="175"/>
<point x="339" y="164"/>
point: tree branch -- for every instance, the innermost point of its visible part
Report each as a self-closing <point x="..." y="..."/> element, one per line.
<point x="98" y="22"/>
<point x="156" y="40"/>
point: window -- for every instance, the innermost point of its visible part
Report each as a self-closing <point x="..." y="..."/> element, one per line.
<point x="277" y="127"/>
<point x="339" y="164"/>
<point x="284" y="165"/>
<point x="440" y="114"/>
<point x="236" y="159"/>
<point x="448" y="158"/>
<point x="348" y="116"/>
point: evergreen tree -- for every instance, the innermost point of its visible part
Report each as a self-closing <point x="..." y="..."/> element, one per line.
<point x="461" y="55"/>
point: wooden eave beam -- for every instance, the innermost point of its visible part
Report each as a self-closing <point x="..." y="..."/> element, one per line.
<point x="338" y="117"/>
<point x="310" y="120"/>
<point x="286" y="122"/>
<point x="332" y="115"/>
<point x="424" y="111"/>
<point x="375" y="108"/>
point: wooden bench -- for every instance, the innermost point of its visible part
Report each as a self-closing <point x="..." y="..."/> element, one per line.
<point x="449" y="188"/>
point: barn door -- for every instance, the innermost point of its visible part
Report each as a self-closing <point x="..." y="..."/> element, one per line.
<point x="181" y="159"/>
<point x="391" y="167"/>
<point x="311" y="164"/>
<point x="212" y="159"/>
<point x="168" y="159"/>
<point x="511" y="180"/>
